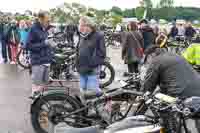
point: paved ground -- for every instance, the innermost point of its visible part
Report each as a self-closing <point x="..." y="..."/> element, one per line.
<point x="15" y="89"/>
<point x="14" y="104"/>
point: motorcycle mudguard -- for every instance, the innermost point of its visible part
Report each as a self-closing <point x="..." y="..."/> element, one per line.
<point x="49" y="92"/>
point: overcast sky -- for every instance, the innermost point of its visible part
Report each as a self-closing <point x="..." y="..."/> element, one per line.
<point x="35" y="5"/>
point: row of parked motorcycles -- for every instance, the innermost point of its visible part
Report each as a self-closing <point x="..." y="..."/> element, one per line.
<point x="64" y="63"/>
<point x="125" y="109"/>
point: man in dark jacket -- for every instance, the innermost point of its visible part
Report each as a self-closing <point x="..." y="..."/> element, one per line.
<point x="91" y="55"/>
<point x="174" y="31"/>
<point x="147" y="33"/>
<point x="41" y="53"/>
<point x="189" y="31"/>
<point x="172" y="73"/>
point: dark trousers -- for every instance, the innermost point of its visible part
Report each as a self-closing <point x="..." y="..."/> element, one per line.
<point x="4" y="51"/>
<point x="133" y="67"/>
<point x="70" y="37"/>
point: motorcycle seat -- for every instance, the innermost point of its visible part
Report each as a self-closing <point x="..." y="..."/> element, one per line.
<point x="92" y="94"/>
<point x="84" y="130"/>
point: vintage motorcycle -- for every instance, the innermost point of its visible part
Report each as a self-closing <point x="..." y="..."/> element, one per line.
<point x="169" y="116"/>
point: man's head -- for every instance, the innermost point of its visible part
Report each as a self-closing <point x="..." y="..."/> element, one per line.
<point x="143" y="23"/>
<point x="43" y="18"/>
<point x="86" y="25"/>
<point x="150" y="53"/>
<point x="132" y="26"/>
<point x="189" y="24"/>
<point x="22" y="24"/>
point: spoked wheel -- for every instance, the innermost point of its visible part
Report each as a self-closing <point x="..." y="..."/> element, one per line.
<point x="107" y="75"/>
<point x="46" y="111"/>
<point x="23" y="59"/>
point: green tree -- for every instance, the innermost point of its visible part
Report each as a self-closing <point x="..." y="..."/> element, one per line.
<point x="116" y="10"/>
<point x="128" y="13"/>
<point x="116" y="19"/>
<point x="147" y="3"/>
<point x="166" y="3"/>
<point x="139" y="12"/>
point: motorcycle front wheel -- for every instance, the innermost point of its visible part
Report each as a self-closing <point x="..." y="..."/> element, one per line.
<point x="46" y="108"/>
<point x="107" y="74"/>
<point x="23" y="59"/>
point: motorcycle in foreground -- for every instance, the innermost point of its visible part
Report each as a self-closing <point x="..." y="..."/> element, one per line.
<point x="169" y="116"/>
<point x="57" y="106"/>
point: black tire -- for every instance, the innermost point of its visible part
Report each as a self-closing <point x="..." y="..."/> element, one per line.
<point x="25" y="66"/>
<point x="112" y="76"/>
<point x="197" y="124"/>
<point x="36" y="108"/>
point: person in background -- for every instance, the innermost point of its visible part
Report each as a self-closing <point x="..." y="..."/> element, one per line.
<point x="174" y="31"/>
<point x="181" y="29"/>
<point x="13" y="39"/>
<point x="1" y="40"/>
<point x="147" y="33"/>
<point x="162" y="38"/>
<point x="4" y="41"/>
<point x="41" y="52"/>
<point x="189" y="31"/>
<point x="70" y="33"/>
<point x="29" y="23"/>
<point x="23" y="29"/>
<point x="91" y="55"/>
<point x="192" y="54"/>
<point x="132" y="47"/>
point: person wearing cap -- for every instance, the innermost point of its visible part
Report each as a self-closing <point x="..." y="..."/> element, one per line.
<point x="161" y="39"/>
<point x="147" y="33"/>
<point x="91" y="55"/>
<point x="41" y="52"/>
<point x="171" y="72"/>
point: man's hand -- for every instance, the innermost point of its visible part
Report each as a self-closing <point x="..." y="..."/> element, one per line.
<point x="50" y="42"/>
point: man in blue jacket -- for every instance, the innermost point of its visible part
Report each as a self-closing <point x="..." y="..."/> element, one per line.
<point x="41" y="52"/>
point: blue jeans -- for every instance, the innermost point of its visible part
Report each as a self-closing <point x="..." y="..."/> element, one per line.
<point x="90" y="81"/>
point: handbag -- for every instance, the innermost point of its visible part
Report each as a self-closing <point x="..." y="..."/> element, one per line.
<point x="141" y="51"/>
<point x="138" y="51"/>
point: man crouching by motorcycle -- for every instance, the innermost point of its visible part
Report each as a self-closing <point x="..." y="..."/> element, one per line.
<point x="172" y="73"/>
<point x="91" y="55"/>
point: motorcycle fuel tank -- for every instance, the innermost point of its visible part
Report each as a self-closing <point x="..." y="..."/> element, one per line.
<point x="135" y="124"/>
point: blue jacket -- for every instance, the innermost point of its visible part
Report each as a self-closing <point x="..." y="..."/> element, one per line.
<point x="23" y="35"/>
<point x="40" y="53"/>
